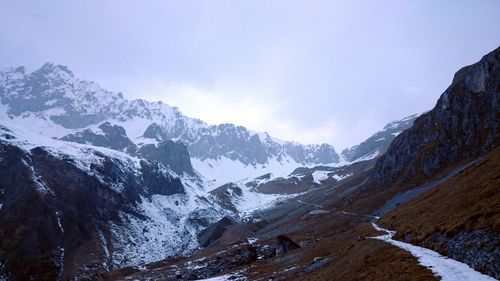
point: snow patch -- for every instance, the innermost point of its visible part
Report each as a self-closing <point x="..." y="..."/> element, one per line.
<point x="165" y="232"/>
<point x="227" y="277"/>
<point x="319" y="176"/>
<point x="224" y="170"/>
<point x="444" y="267"/>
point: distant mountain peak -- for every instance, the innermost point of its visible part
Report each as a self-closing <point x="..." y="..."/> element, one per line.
<point x="61" y="105"/>
<point x="378" y="143"/>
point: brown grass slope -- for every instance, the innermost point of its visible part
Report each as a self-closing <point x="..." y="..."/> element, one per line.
<point x="467" y="206"/>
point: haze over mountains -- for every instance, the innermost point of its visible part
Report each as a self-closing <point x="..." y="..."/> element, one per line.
<point x="93" y="183"/>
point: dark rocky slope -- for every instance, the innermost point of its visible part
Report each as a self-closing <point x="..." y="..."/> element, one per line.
<point x="464" y="124"/>
<point x="173" y="155"/>
<point x="55" y="216"/>
<point x="460" y="218"/>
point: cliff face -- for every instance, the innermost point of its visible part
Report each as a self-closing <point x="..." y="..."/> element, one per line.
<point x="463" y="124"/>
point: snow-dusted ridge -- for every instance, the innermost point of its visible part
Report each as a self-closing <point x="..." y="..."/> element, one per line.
<point x="52" y="101"/>
<point x="379" y="142"/>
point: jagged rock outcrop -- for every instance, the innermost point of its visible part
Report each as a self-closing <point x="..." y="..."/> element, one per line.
<point x="225" y="194"/>
<point x="463" y="124"/>
<point x="173" y="155"/>
<point x="209" y="235"/>
<point x="285" y="244"/>
<point x="238" y="143"/>
<point x="169" y="153"/>
<point x="477" y="248"/>
<point x="54" y="87"/>
<point x="155" y="131"/>
<point x="158" y="181"/>
<point x="107" y="135"/>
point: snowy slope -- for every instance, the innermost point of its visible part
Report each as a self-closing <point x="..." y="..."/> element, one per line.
<point x="149" y="226"/>
<point x="244" y="197"/>
<point x="225" y="170"/>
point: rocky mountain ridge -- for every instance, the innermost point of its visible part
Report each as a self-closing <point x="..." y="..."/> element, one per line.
<point x="464" y="124"/>
<point x="378" y="143"/>
<point x="57" y="104"/>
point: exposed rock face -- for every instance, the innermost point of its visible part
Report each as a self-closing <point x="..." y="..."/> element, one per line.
<point x="463" y="124"/>
<point x="378" y="143"/>
<point x="285" y="245"/>
<point x="158" y="181"/>
<point x="111" y="136"/>
<point x="47" y="201"/>
<point x="237" y="143"/>
<point x="478" y="248"/>
<point x="173" y="155"/>
<point x="34" y="248"/>
<point x="169" y="153"/>
<point x="155" y="131"/>
<point x="212" y="233"/>
<point x="225" y="194"/>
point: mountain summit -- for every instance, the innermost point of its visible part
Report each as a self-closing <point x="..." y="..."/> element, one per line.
<point x="53" y="102"/>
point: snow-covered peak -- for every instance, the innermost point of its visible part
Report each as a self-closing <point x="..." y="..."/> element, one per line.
<point x="56" y="71"/>
<point x="54" y="102"/>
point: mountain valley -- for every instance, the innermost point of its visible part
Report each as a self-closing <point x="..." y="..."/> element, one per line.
<point x="97" y="187"/>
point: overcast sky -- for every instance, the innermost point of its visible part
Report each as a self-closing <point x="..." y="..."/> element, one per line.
<point x="310" y="71"/>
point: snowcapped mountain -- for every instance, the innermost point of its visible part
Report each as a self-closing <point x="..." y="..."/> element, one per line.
<point x="72" y="210"/>
<point x="56" y="104"/>
<point x="98" y="182"/>
<point x="379" y="142"/>
<point x="92" y="183"/>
